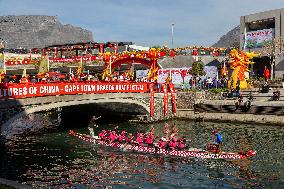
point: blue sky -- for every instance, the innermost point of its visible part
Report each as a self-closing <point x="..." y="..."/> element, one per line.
<point x="146" y="22"/>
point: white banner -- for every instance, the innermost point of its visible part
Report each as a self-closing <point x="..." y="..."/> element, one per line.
<point x="182" y="75"/>
<point x="140" y="74"/>
<point x="179" y="75"/>
<point x="211" y="71"/>
<point x="256" y="39"/>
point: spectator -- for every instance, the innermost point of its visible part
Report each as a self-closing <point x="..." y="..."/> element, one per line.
<point x="209" y="82"/>
<point x="283" y="82"/>
<point x="33" y="80"/>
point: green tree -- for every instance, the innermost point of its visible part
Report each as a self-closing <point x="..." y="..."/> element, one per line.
<point x="156" y="47"/>
<point x="197" y="69"/>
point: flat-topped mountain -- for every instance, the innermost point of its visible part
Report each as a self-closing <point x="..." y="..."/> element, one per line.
<point x="37" y="31"/>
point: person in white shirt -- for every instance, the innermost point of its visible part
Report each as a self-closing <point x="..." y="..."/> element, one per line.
<point x="209" y="82"/>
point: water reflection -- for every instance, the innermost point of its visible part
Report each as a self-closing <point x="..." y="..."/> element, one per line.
<point x="56" y="160"/>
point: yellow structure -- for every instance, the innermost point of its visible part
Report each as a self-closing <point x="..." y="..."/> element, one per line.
<point x="107" y="71"/>
<point x="239" y="62"/>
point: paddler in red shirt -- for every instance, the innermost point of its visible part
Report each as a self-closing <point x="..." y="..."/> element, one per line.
<point x="112" y="136"/>
<point x="129" y="138"/>
<point x="122" y="137"/>
<point x="173" y="138"/>
<point x="139" y="138"/>
<point x="150" y="137"/>
<point x="163" y="142"/>
<point x="103" y="135"/>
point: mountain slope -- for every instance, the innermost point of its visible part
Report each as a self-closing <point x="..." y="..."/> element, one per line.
<point x="38" y="31"/>
<point x="231" y="39"/>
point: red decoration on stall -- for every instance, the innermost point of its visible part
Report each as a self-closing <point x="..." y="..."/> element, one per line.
<point x="215" y="54"/>
<point x="74" y="59"/>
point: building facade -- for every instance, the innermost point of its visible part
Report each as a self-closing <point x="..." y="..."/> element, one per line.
<point x="264" y="33"/>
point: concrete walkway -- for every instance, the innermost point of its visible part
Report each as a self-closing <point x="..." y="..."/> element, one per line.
<point x="228" y="117"/>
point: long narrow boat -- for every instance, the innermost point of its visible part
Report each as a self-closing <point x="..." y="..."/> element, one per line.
<point x="197" y="153"/>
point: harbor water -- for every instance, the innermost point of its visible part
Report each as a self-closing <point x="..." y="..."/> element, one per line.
<point x="54" y="159"/>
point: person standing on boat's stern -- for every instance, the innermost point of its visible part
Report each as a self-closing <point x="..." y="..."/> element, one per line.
<point x="218" y="141"/>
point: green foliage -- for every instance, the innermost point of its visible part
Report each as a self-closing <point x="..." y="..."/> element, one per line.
<point x="218" y="90"/>
<point x="198" y="69"/>
<point x="192" y="90"/>
<point x="261" y="79"/>
<point x="156" y="47"/>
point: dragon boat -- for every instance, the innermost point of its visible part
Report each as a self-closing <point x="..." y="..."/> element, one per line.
<point x="191" y="152"/>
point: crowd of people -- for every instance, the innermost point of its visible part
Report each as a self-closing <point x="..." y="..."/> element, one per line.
<point x="56" y="76"/>
<point x="169" y="141"/>
<point x="208" y="83"/>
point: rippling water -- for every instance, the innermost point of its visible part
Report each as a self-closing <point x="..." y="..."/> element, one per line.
<point x="57" y="160"/>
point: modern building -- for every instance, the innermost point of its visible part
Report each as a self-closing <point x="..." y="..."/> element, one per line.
<point x="264" y="32"/>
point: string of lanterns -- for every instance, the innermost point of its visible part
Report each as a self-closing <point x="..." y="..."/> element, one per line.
<point x="160" y="52"/>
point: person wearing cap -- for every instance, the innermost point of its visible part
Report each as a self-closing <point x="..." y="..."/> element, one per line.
<point x="239" y="101"/>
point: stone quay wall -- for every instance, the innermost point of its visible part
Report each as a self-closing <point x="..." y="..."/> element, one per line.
<point x="203" y="106"/>
<point x="187" y="100"/>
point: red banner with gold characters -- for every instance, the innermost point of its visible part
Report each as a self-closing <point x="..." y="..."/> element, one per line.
<point x="74" y="59"/>
<point x="166" y="102"/>
<point x="51" y="89"/>
<point x="174" y="103"/>
<point x="152" y="100"/>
